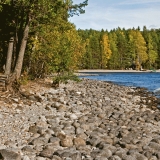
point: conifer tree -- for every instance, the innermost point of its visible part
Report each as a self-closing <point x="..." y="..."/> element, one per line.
<point x="122" y="48"/>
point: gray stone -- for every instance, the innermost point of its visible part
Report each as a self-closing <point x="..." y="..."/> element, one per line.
<point x="139" y="156"/>
<point x="121" y="152"/>
<point x="114" y="158"/>
<point x="40" y="141"/>
<point x="76" y="155"/>
<point x="94" y="141"/>
<point x="26" y="157"/>
<point x="54" y="140"/>
<point x="129" y="157"/>
<point x="106" y="153"/>
<point x="28" y="149"/>
<point x="84" y="119"/>
<point x="100" y="158"/>
<point x="33" y="98"/>
<point x="33" y="129"/>
<point x="47" y="153"/>
<point x="69" y="153"/>
<point x="8" y="154"/>
<point x="56" y="157"/>
<point x="79" y="130"/>
<point x="154" y="146"/>
<point x="40" y="158"/>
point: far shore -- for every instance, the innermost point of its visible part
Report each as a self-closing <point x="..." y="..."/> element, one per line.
<point x="108" y="71"/>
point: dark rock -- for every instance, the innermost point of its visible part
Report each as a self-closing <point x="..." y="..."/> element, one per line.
<point x="157" y="155"/>
<point x="156" y="139"/>
<point x="68" y="153"/>
<point x="54" y="140"/>
<point x="154" y="146"/>
<point x="148" y="154"/>
<point x="33" y="129"/>
<point x="28" y="149"/>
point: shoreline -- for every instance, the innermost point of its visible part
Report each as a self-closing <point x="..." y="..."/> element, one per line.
<point x="114" y="71"/>
<point x="85" y="73"/>
<point x="86" y="120"/>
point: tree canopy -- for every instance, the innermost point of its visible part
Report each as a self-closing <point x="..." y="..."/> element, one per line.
<point x="37" y="39"/>
<point x="124" y="49"/>
<point x="30" y="27"/>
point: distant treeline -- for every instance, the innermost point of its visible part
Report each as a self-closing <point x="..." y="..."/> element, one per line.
<point x="121" y="49"/>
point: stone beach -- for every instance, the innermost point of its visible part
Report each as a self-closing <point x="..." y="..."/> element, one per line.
<point x="88" y="120"/>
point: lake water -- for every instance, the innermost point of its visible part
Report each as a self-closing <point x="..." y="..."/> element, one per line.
<point x="150" y="81"/>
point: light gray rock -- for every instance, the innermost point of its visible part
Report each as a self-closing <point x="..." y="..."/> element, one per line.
<point x="115" y="158"/>
<point x="40" y="158"/>
<point x="40" y="141"/>
<point x="26" y="157"/>
<point x="56" y="157"/>
<point x="89" y="119"/>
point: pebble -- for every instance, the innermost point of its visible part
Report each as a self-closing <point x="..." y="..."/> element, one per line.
<point x="87" y="120"/>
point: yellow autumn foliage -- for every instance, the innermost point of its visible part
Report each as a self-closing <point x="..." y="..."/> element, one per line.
<point x="140" y="49"/>
<point x="106" y="51"/>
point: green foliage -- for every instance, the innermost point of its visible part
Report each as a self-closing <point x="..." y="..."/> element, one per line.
<point x="53" y="43"/>
<point x="23" y="79"/>
<point x="92" y="58"/>
<point x="54" y="49"/>
<point x="114" y="59"/>
<point x="128" y="48"/>
<point x="75" y="9"/>
<point x="64" y="77"/>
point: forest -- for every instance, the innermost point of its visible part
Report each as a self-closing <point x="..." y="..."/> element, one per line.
<point x="121" y="49"/>
<point x="37" y="39"/>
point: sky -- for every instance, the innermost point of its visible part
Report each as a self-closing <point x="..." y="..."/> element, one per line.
<point x="111" y="14"/>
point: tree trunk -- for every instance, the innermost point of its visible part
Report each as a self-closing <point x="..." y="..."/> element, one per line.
<point x="9" y="56"/>
<point x="19" y="62"/>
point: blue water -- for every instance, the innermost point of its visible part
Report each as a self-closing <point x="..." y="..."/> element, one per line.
<point x="150" y="81"/>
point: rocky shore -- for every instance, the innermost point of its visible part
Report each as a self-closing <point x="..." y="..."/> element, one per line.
<point x="89" y="120"/>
